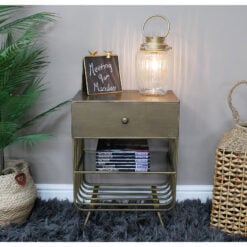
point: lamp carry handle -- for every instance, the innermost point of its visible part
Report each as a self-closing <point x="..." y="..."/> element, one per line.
<point x="155" y="16"/>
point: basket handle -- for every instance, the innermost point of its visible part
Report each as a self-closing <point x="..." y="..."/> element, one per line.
<point x="235" y="113"/>
<point x="17" y="168"/>
<point x="10" y="170"/>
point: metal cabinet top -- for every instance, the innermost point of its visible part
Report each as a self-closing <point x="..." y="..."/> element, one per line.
<point x="126" y="96"/>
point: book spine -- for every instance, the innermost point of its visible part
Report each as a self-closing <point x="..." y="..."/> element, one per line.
<point x="123" y="162"/>
<point x="119" y="155"/>
<point x="122" y="166"/>
<point x="140" y="169"/>
<point x="134" y="167"/>
<point x="122" y="152"/>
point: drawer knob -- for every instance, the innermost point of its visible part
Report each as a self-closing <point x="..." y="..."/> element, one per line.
<point x="125" y="120"/>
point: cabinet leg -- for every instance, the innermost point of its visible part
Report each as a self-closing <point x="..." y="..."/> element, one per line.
<point x="156" y="203"/>
<point x="160" y="218"/>
<point x="95" y="191"/>
<point x="87" y="218"/>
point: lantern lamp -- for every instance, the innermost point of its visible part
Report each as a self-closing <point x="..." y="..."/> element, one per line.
<point x="153" y="61"/>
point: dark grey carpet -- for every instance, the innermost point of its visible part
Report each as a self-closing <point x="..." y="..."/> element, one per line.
<point x="60" y="221"/>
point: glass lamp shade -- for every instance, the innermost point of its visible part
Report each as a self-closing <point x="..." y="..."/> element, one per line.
<point x="152" y="71"/>
<point x="153" y="61"/>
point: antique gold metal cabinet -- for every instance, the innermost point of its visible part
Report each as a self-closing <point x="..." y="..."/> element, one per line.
<point x="128" y="115"/>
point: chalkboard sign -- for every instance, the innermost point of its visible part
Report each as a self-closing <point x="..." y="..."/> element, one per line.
<point x="102" y="74"/>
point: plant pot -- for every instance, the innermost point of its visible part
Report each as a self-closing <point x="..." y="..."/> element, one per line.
<point x="17" y="193"/>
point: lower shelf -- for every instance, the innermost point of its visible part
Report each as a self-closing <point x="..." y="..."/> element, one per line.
<point x="98" y="197"/>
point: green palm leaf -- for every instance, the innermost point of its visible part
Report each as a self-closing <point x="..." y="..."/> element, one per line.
<point x="4" y="96"/>
<point x="43" y="114"/>
<point x="7" y="132"/>
<point x="26" y="23"/>
<point x="6" y="11"/>
<point x="17" y="106"/>
<point x="32" y="139"/>
<point x="22" y="64"/>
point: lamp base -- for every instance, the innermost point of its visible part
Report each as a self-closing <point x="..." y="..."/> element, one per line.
<point x="153" y="91"/>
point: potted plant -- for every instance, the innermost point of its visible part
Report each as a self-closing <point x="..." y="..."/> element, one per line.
<point x="22" y="60"/>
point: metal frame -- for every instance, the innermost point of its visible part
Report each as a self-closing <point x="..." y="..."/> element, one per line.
<point x="128" y="197"/>
<point x="150" y="194"/>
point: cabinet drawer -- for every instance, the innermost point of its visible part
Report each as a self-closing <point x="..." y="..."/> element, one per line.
<point x="125" y="119"/>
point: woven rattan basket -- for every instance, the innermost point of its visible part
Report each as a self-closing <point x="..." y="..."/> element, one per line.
<point x="17" y="193"/>
<point x="229" y="202"/>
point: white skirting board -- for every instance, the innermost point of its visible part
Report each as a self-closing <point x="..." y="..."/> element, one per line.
<point x="65" y="192"/>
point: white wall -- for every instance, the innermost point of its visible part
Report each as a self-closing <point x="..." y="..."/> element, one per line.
<point x="210" y="53"/>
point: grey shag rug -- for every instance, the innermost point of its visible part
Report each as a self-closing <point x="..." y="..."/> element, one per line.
<point x="60" y="221"/>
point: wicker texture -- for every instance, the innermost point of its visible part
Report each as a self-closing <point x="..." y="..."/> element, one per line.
<point x="229" y="203"/>
<point x="16" y="201"/>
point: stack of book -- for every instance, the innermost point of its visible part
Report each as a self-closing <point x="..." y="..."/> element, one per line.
<point x="122" y="155"/>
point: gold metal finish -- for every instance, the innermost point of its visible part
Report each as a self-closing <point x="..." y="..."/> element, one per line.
<point x="155" y="43"/>
<point x="87" y="217"/>
<point x="149" y="116"/>
<point x="127" y="118"/>
<point x="108" y="54"/>
<point x="157" y="16"/>
<point x="93" y="53"/>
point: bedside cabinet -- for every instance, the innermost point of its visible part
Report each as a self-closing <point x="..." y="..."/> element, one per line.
<point x="126" y="115"/>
